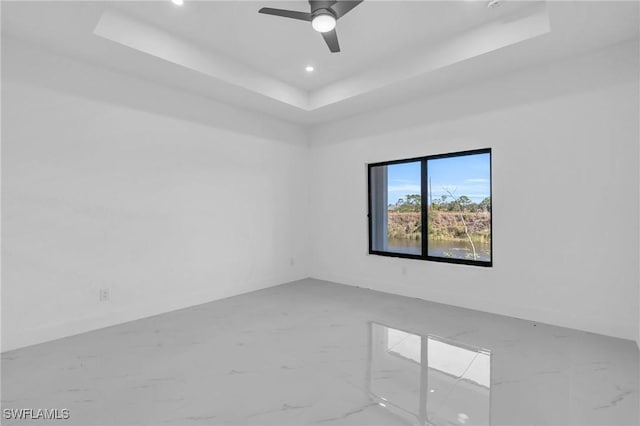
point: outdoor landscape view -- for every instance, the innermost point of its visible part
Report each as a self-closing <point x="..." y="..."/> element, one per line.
<point x="458" y="207"/>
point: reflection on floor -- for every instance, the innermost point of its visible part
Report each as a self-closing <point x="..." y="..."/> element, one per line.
<point x="426" y="380"/>
<point x="314" y="352"/>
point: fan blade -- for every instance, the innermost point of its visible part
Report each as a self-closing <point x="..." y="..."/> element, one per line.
<point x="303" y="16"/>
<point x="332" y="40"/>
<point x="341" y="8"/>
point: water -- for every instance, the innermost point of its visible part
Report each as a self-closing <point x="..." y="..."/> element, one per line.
<point x="439" y="248"/>
<point x="402" y="245"/>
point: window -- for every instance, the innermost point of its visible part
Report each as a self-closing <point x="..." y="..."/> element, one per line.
<point x="450" y="193"/>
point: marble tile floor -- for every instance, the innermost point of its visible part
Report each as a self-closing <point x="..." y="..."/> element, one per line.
<point x="313" y="352"/>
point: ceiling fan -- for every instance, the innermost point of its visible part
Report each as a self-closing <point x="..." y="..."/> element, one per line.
<point x="323" y="17"/>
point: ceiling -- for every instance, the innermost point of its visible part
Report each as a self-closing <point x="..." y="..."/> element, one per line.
<point x="282" y="48"/>
<point x="392" y="51"/>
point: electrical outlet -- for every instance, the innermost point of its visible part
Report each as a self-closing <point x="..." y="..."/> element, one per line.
<point x="104" y="294"/>
<point x="404" y="270"/>
<point x="292" y="261"/>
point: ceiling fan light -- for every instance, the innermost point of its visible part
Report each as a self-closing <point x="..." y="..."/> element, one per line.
<point x="323" y="22"/>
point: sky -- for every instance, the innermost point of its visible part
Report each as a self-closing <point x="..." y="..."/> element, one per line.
<point x="466" y="175"/>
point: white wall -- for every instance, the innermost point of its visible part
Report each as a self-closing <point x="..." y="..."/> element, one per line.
<point x="171" y="200"/>
<point x="564" y="136"/>
<point x="168" y="200"/>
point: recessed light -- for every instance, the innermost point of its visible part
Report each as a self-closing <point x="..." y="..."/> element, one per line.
<point x="177" y="2"/>
<point x="493" y="3"/>
<point x="462" y="418"/>
<point x="309" y="68"/>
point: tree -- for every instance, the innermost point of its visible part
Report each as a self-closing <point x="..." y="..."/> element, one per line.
<point x="464" y="223"/>
<point x="486" y="204"/>
<point x="453" y="205"/>
<point x="411" y="203"/>
<point x="464" y="201"/>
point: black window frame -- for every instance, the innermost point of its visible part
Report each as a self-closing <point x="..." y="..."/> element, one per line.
<point x="424" y="205"/>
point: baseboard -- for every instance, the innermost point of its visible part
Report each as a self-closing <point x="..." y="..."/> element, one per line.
<point x="128" y="313"/>
<point x="544" y="316"/>
<point x="120" y="315"/>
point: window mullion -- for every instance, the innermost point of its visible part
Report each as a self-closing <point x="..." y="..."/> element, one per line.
<point x="424" y="207"/>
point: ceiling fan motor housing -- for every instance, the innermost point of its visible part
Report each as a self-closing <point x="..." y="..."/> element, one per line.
<point x="318" y="5"/>
<point x="324" y="11"/>
<point x="323" y="17"/>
